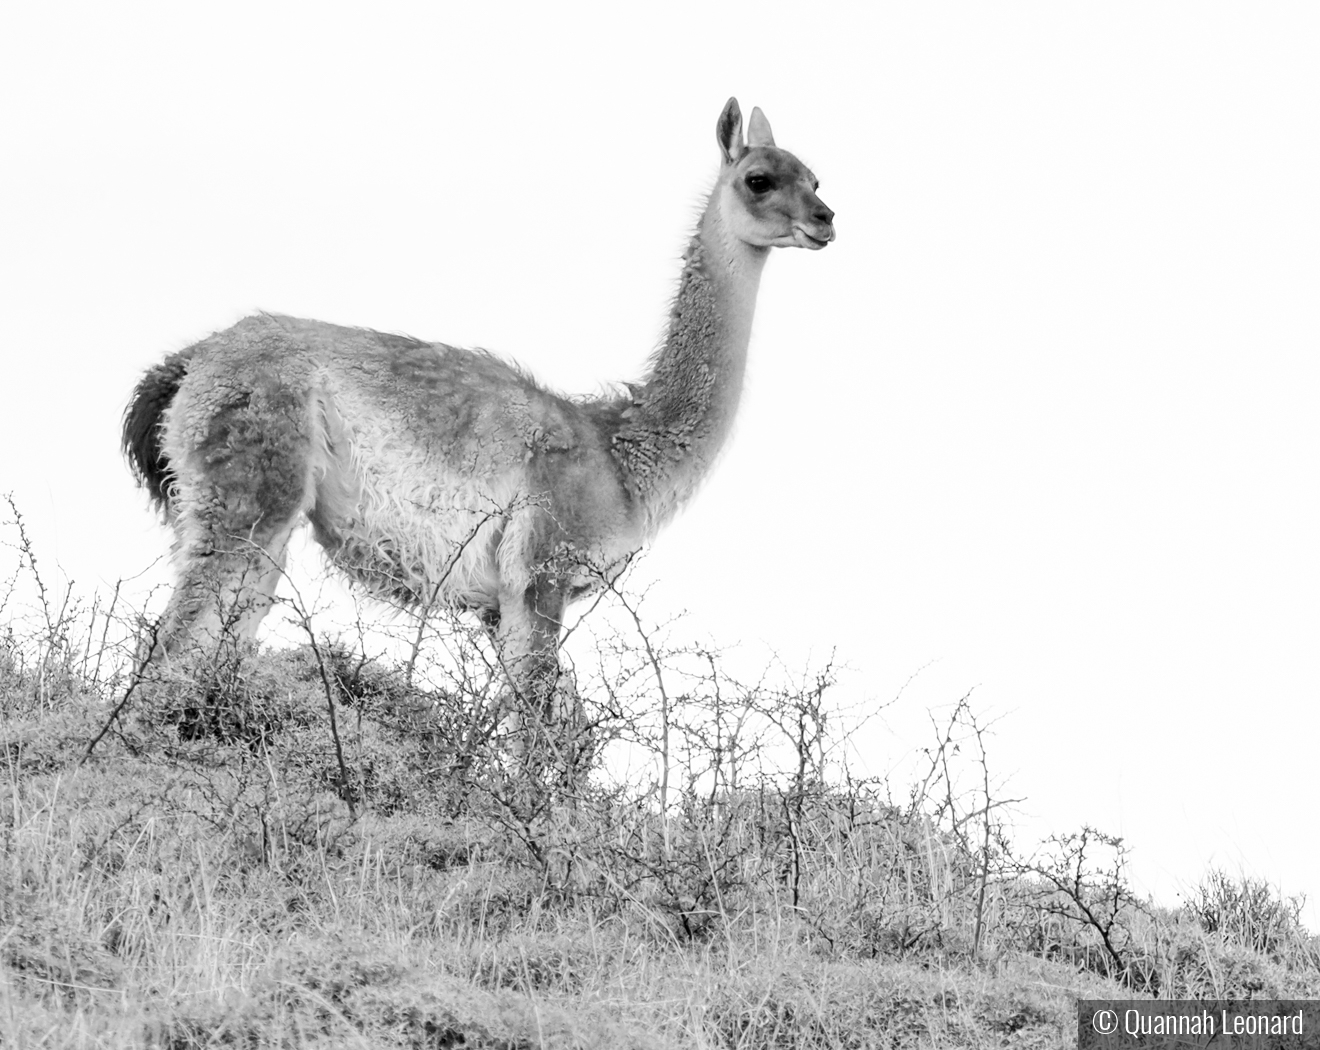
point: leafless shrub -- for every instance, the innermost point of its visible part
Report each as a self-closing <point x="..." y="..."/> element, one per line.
<point x="1086" y="908"/>
<point x="55" y="642"/>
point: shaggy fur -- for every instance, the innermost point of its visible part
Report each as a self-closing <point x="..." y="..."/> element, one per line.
<point x="430" y="472"/>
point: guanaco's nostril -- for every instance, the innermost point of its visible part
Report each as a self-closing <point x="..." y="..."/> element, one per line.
<point x="823" y="215"/>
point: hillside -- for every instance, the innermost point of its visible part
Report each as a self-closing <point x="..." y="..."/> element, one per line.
<point x="213" y="860"/>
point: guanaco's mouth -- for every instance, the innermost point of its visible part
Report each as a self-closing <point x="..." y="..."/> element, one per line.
<point x="805" y="240"/>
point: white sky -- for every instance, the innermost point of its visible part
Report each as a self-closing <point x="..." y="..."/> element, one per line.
<point x="1045" y="413"/>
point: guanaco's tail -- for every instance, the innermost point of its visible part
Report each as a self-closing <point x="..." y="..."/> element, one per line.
<point x="142" y="418"/>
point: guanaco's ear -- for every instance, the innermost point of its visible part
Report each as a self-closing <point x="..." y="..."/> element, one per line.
<point x="758" y="129"/>
<point x="728" y="132"/>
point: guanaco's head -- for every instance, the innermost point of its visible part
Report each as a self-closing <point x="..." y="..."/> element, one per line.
<point x="768" y="195"/>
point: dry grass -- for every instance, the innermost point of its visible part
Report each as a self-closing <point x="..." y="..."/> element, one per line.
<point x="221" y="872"/>
<point x="132" y="919"/>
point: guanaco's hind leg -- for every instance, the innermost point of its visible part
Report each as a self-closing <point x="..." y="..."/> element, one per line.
<point x="242" y="482"/>
<point x="223" y="594"/>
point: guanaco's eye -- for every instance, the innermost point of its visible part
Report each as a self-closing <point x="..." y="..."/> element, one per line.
<point x="760" y="183"/>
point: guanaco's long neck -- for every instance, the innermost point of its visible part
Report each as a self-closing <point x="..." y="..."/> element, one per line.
<point x="682" y="412"/>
